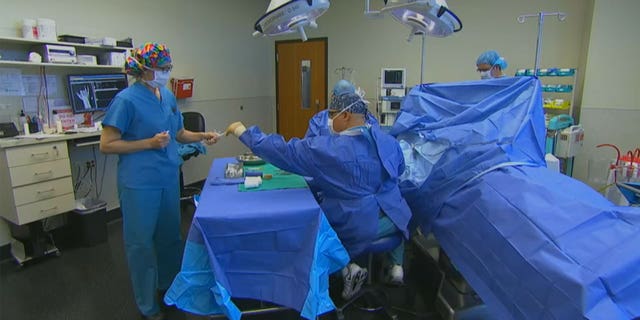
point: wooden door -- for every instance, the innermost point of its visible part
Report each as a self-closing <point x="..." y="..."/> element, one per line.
<point x="301" y="84"/>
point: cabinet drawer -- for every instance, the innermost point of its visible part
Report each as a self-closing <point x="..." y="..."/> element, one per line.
<point x="20" y="156"/>
<point x="40" y="172"/>
<point x="42" y="191"/>
<point x="46" y="208"/>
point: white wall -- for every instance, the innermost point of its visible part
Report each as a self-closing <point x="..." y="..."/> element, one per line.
<point x="366" y="45"/>
<point x="210" y="41"/>
<point x="611" y="100"/>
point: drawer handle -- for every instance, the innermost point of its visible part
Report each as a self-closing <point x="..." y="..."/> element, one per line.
<point x="46" y="154"/>
<point x="50" y="209"/>
<point x="43" y="173"/>
<point x="46" y="191"/>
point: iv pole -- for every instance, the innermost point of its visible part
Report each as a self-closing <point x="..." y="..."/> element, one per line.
<point x="521" y="19"/>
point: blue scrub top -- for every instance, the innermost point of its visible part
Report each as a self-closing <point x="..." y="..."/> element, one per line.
<point x="358" y="177"/>
<point x="138" y="114"/>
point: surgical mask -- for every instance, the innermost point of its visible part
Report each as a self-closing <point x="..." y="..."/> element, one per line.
<point x="330" y="119"/>
<point x="160" y="79"/>
<point x="484" y="75"/>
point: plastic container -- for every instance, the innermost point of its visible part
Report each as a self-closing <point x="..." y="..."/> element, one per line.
<point x="564" y="88"/>
<point x="47" y="29"/>
<point x="89" y="224"/>
<point x="29" y="29"/>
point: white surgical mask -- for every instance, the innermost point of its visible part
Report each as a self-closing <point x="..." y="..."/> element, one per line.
<point x="485" y="74"/>
<point x="160" y="79"/>
<point x="330" y="119"/>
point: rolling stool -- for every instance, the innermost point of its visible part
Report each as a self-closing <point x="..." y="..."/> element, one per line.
<point x="373" y="293"/>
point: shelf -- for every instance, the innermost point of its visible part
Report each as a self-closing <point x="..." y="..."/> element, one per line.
<point x="55" y="65"/>
<point x="77" y="45"/>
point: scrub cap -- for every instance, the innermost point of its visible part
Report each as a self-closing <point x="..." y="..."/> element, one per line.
<point x="150" y="55"/>
<point x="340" y="102"/>
<point x="343" y="86"/>
<point x="492" y="58"/>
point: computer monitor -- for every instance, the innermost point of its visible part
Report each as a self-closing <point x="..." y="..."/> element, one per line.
<point x="94" y="92"/>
<point x="393" y="78"/>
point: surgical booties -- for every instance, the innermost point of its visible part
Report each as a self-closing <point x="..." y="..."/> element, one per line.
<point x="533" y="243"/>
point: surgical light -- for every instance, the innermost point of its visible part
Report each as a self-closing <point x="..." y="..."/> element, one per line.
<point x="284" y="17"/>
<point x="428" y="17"/>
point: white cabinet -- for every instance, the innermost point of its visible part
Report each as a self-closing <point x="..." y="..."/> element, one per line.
<point x="35" y="182"/>
<point x="14" y="52"/>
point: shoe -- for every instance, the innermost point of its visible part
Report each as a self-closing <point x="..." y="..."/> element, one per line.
<point x="354" y="278"/>
<point x="157" y="316"/>
<point x="395" y="275"/>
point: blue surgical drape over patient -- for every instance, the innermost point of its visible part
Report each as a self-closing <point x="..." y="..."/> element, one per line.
<point x="533" y="243"/>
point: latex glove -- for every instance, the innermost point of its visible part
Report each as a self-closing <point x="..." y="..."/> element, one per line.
<point x="237" y="128"/>
<point x="160" y="140"/>
<point x="210" y="137"/>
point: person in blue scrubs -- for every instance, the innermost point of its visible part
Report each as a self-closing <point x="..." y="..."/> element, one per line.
<point x="491" y="65"/>
<point x="143" y="127"/>
<point x="356" y="167"/>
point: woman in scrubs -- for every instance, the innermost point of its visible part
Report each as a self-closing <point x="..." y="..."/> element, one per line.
<point x="143" y="126"/>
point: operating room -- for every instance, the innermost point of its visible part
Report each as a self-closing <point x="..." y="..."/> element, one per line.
<point x="237" y="74"/>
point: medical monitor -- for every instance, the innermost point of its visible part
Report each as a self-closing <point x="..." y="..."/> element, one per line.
<point x="94" y="92"/>
<point x="393" y="78"/>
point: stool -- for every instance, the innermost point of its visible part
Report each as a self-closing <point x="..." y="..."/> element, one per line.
<point x="373" y="293"/>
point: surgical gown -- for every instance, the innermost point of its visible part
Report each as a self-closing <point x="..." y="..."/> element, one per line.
<point x="358" y="176"/>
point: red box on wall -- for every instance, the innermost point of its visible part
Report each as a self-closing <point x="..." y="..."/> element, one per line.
<point x="182" y="88"/>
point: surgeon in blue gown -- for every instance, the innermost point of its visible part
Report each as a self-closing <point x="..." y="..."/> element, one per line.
<point x="356" y="167"/>
<point x="143" y="126"/>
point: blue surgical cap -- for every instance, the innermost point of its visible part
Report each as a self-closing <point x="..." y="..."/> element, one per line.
<point x="342" y="101"/>
<point x="343" y="86"/>
<point x="492" y="58"/>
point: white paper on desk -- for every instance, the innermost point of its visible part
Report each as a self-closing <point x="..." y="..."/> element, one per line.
<point x="40" y="135"/>
<point x="33" y="83"/>
<point x="11" y="82"/>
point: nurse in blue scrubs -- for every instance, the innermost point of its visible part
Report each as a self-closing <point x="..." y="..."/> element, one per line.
<point x="143" y="127"/>
<point x="356" y="167"/>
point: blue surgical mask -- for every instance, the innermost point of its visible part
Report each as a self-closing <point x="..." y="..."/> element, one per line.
<point x="160" y="79"/>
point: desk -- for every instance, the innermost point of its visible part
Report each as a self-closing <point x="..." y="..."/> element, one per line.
<point x="35" y="176"/>
<point x="273" y="246"/>
<point x="35" y="179"/>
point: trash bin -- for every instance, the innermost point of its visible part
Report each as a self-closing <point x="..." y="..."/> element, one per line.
<point x="89" y="222"/>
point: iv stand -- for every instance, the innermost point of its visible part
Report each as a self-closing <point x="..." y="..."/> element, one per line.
<point x="422" y="58"/>
<point x="521" y="19"/>
<point x="343" y="72"/>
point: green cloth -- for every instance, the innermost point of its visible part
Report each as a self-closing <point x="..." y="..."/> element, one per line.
<point x="280" y="180"/>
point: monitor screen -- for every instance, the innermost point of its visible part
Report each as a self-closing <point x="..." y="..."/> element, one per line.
<point x="94" y="92"/>
<point x="393" y="78"/>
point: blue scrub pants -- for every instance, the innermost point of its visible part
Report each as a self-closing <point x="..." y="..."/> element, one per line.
<point x="151" y="229"/>
<point x="386" y="228"/>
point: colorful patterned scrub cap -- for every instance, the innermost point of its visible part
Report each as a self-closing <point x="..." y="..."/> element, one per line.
<point x="150" y="55"/>
<point x="342" y="101"/>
